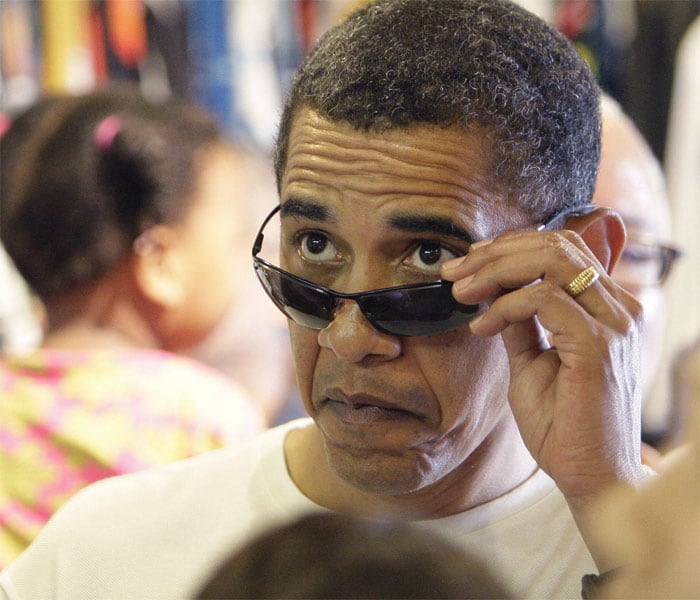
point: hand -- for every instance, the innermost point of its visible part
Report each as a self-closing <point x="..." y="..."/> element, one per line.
<point x="574" y="362"/>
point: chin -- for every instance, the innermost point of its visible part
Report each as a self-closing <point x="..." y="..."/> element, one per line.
<point x="380" y="473"/>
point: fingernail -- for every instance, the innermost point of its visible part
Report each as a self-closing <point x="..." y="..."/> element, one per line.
<point x="474" y="323"/>
<point x="480" y="244"/>
<point x="462" y="284"/>
<point x="452" y="264"/>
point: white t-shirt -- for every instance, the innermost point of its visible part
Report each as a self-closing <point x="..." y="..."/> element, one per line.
<point x="160" y="533"/>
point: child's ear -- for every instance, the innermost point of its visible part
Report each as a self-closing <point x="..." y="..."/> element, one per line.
<point x="604" y="233"/>
<point x="156" y="266"/>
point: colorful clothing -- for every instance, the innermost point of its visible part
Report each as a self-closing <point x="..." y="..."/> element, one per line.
<point x="69" y="418"/>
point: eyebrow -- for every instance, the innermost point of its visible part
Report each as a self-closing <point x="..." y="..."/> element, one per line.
<point x="430" y="224"/>
<point x="297" y="206"/>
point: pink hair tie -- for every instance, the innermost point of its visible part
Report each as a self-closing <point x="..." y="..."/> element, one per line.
<point x="106" y="131"/>
<point x="5" y="123"/>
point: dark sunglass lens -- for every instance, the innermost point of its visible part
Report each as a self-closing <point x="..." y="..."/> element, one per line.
<point x="413" y="312"/>
<point x="302" y="303"/>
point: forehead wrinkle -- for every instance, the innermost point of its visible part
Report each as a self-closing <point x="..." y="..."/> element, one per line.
<point x="357" y="154"/>
<point x="364" y="176"/>
<point x="425" y="160"/>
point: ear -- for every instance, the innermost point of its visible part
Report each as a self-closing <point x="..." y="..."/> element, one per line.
<point x="156" y="266"/>
<point x="604" y="233"/>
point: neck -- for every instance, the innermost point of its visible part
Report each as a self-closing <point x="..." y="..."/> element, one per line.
<point x="471" y="484"/>
<point x="81" y="333"/>
<point x="101" y="315"/>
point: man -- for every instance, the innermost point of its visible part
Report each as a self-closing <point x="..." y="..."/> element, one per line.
<point x="421" y="139"/>
<point x="631" y="182"/>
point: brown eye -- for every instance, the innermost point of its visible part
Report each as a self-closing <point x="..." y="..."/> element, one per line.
<point x="315" y="246"/>
<point x="316" y="243"/>
<point x="430" y="253"/>
<point x="428" y="256"/>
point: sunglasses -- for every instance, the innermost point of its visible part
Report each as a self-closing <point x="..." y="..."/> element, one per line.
<point x="404" y="310"/>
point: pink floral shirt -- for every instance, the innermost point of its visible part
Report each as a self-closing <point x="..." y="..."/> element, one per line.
<point x="69" y="418"/>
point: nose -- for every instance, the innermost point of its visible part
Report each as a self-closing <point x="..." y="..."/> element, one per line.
<point x="352" y="338"/>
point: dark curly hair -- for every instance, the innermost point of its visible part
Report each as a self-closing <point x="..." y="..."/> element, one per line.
<point x="71" y="207"/>
<point x="488" y="64"/>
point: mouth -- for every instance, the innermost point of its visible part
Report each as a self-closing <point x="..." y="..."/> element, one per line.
<point x="366" y="409"/>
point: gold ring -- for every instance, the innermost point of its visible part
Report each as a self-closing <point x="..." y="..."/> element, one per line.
<point x="582" y="282"/>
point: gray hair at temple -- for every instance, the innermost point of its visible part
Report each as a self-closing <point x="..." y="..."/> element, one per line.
<point x="488" y="65"/>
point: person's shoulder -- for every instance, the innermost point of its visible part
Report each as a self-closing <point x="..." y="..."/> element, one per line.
<point x="148" y="487"/>
<point x="537" y="495"/>
<point x="181" y="484"/>
<point x="158" y="493"/>
<point x="120" y="537"/>
<point x="198" y="407"/>
<point x="205" y="483"/>
<point x="131" y="369"/>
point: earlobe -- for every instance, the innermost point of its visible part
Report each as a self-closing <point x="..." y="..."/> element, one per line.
<point x="155" y="267"/>
<point x="604" y="233"/>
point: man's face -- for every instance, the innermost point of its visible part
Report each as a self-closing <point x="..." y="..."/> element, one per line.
<point x="379" y="210"/>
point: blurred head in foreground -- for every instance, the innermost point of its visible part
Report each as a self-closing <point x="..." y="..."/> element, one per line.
<point x="328" y="555"/>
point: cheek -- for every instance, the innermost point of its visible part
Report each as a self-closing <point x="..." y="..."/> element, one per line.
<point x="213" y="290"/>
<point x="305" y="351"/>
<point x="469" y="376"/>
<point x="222" y="288"/>
<point x="227" y="268"/>
<point x="654" y="304"/>
<point x="653" y="301"/>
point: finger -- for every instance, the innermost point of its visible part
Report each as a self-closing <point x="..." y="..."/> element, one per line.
<point x="555" y="310"/>
<point x="602" y="299"/>
<point x="511" y="272"/>
<point x="560" y="244"/>
<point x="518" y="260"/>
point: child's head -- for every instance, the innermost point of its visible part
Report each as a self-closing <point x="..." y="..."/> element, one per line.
<point x="109" y="181"/>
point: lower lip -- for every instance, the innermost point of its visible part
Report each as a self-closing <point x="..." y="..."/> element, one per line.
<point x="370" y="429"/>
<point x="367" y="414"/>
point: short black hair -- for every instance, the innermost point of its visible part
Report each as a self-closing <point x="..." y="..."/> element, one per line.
<point x="486" y="64"/>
